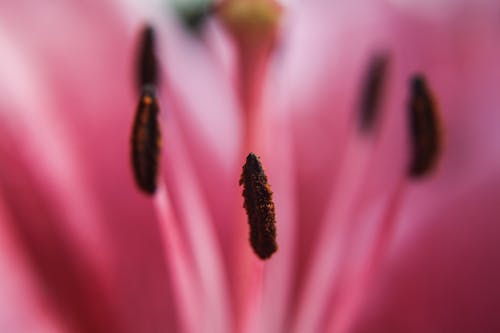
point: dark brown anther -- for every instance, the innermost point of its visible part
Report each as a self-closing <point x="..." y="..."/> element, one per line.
<point x="146" y="141"/>
<point x="424" y="128"/>
<point x="260" y="208"/>
<point x="372" y="91"/>
<point x="147" y="65"/>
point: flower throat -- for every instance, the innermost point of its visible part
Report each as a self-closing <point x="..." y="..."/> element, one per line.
<point x="424" y="138"/>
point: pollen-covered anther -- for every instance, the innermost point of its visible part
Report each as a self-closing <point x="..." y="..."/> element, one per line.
<point x="372" y="92"/>
<point x="259" y="207"/>
<point x="425" y="128"/>
<point x="147" y="64"/>
<point x="146" y="141"/>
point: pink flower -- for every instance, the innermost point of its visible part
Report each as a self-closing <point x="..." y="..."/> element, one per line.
<point x="363" y="247"/>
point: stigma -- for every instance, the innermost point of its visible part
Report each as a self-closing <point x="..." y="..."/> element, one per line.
<point x="252" y="19"/>
<point x="258" y="203"/>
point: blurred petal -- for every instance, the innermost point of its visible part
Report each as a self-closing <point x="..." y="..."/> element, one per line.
<point x="442" y="272"/>
<point x="71" y="71"/>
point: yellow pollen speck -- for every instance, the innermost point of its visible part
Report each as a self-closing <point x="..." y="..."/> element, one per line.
<point x="147" y="100"/>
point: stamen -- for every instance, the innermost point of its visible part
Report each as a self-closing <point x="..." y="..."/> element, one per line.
<point x="147" y="66"/>
<point x="146" y="141"/>
<point x="260" y="208"/>
<point x="372" y="90"/>
<point x="424" y="128"/>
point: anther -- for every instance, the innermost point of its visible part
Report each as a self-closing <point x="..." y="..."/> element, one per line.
<point x="424" y="128"/>
<point x="194" y="13"/>
<point x="147" y="65"/>
<point x="146" y="141"/>
<point x="259" y="207"/>
<point x="372" y="91"/>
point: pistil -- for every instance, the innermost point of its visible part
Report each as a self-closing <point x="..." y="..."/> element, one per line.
<point x="254" y="27"/>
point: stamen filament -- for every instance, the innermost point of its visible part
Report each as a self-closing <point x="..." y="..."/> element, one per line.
<point x="186" y="290"/>
<point x="355" y="284"/>
<point x="199" y="235"/>
<point x="326" y="263"/>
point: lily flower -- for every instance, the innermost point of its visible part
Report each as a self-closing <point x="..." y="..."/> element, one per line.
<point x="364" y="135"/>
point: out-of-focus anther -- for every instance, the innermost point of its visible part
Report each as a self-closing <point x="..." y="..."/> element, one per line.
<point x="147" y="64"/>
<point x="425" y="128"/>
<point x="193" y="13"/>
<point x="146" y="141"/>
<point x="372" y="92"/>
